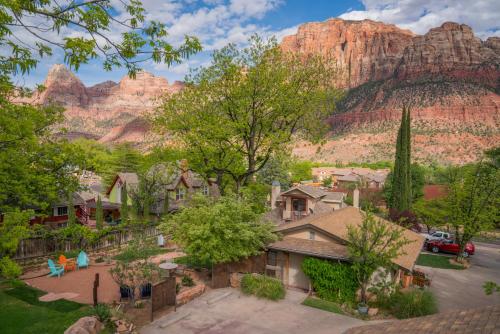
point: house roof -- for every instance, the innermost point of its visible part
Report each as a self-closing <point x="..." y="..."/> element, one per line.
<point x="332" y="196"/>
<point x="314" y="192"/>
<point x="322" y="249"/>
<point x="336" y="223"/>
<point x="131" y="179"/>
<point x="479" y="320"/>
<point x="348" y="178"/>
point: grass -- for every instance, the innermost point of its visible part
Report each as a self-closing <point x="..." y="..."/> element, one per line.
<point x="436" y="261"/>
<point x="414" y="303"/>
<point x="129" y="255"/>
<point x="22" y="312"/>
<point x="192" y="262"/>
<point x="262" y="287"/>
<point x="322" y="304"/>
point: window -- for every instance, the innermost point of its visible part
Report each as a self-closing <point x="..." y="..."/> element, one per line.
<point x="180" y="193"/>
<point x="61" y="211"/>
<point x="312" y="235"/>
<point x="272" y="258"/>
<point x="205" y="190"/>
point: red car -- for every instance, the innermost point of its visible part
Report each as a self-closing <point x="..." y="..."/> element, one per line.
<point x="449" y="246"/>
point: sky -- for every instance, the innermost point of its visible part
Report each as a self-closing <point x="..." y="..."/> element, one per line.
<point x="219" y="22"/>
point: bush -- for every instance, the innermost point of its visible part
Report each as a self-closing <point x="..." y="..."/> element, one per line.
<point x="332" y="281"/>
<point x="415" y="303"/>
<point x="9" y="269"/>
<point x="262" y="287"/>
<point x="187" y="281"/>
<point x="102" y="312"/>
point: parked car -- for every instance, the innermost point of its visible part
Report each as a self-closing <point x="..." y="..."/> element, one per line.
<point x="438" y="235"/>
<point x="449" y="246"/>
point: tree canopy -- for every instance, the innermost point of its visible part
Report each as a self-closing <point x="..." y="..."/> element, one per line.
<point x="219" y="231"/>
<point x="247" y="105"/>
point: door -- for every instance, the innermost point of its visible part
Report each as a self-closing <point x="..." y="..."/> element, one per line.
<point x="296" y="277"/>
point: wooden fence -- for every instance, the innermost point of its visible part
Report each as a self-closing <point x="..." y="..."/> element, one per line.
<point x="38" y="247"/>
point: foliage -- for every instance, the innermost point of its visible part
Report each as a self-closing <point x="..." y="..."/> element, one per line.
<point x="9" y="269"/>
<point x="301" y="171"/>
<point x="99" y="215"/>
<point x="327" y="182"/>
<point x="141" y="41"/>
<point x="134" y="274"/>
<point x="218" y="230"/>
<point x="372" y="245"/>
<point x="491" y="287"/>
<point x="414" y="303"/>
<point x="256" y="195"/>
<point x="262" y="286"/>
<point x="193" y="262"/>
<point x="324" y="305"/>
<point x="187" y="281"/>
<point x="473" y="201"/>
<point x="436" y="261"/>
<point x="71" y="211"/>
<point x="129" y="255"/>
<point x="246" y="106"/>
<point x="276" y="169"/>
<point x="430" y="212"/>
<point x="331" y="281"/>
<point x="401" y="195"/>
<point x="22" y="312"/>
<point x="102" y="312"/>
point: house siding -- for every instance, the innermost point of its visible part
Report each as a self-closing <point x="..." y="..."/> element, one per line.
<point x="304" y="234"/>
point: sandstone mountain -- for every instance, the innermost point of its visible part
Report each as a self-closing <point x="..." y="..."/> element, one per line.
<point x="449" y="77"/>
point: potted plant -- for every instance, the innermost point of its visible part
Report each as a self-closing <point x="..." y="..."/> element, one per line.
<point x="363" y="308"/>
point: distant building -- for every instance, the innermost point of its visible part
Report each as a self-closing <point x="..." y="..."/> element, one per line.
<point x="352" y="176"/>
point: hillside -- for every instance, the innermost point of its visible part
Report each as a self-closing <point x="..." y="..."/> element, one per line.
<point x="449" y="77"/>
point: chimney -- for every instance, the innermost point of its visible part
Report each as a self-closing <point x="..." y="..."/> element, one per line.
<point x="275" y="193"/>
<point x="355" y="198"/>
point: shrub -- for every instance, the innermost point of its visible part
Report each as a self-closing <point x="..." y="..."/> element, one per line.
<point x="415" y="303"/>
<point x="331" y="281"/>
<point x="102" y="312"/>
<point x="9" y="269"/>
<point x="262" y="287"/>
<point x="187" y="280"/>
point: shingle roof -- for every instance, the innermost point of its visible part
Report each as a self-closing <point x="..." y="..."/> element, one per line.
<point x="349" y="178"/>
<point x="481" y="320"/>
<point x="130" y="178"/>
<point x="323" y="249"/>
<point x="332" y="196"/>
<point x="336" y="223"/>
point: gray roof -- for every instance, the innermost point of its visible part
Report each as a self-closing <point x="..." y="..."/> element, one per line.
<point x="348" y="178"/>
<point x="332" y="196"/>
<point x="129" y="178"/>
<point x="314" y="192"/>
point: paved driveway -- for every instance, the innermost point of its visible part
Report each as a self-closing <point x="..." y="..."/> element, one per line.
<point x="237" y="313"/>
<point x="462" y="289"/>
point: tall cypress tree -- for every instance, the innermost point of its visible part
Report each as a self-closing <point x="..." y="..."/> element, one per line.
<point x="401" y="178"/>
<point x="99" y="215"/>
<point x="124" y="204"/>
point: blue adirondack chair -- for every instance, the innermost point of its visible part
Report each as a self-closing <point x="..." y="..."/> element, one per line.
<point x="55" y="270"/>
<point x="82" y="260"/>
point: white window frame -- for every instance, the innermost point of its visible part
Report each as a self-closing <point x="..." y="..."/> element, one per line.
<point x="205" y="190"/>
<point x="180" y="194"/>
<point x="312" y="235"/>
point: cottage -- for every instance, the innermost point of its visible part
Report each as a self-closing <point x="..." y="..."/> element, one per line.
<point x="325" y="236"/>
<point x="352" y="176"/>
<point x="303" y="200"/>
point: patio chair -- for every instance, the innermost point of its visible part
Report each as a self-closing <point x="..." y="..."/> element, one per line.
<point x="66" y="264"/>
<point x="82" y="260"/>
<point x="55" y="270"/>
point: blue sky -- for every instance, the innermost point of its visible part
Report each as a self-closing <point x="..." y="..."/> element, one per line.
<point x="217" y="22"/>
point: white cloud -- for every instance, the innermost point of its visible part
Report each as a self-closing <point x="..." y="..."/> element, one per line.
<point x="254" y="8"/>
<point x="421" y="15"/>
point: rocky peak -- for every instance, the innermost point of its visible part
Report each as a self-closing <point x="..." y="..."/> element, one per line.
<point x="451" y="50"/>
<point x="62" y="86"/>
<point x="366" y="50"/>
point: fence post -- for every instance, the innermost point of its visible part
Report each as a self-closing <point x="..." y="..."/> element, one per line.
<point x="96" y="285"/>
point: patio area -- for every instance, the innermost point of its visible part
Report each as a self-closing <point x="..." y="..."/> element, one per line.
<point x="79" y="284"/>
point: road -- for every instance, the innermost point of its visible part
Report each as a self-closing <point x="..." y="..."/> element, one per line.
<point x="462" y="289"/>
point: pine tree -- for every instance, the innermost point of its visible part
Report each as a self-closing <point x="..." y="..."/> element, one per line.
<point x="124" y="204"/>
<point x="71" y="211"/>
<point x="401" y="179"/>
<point x="99" y="214"/>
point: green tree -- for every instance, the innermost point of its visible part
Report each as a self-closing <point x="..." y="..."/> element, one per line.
<point x="401" y="194"/>
<point x="219" y="231"/>
<point x="418" y="176"/>
<point x="473" y="202"/>
<point x="99" y="215"/>
<point x="13" y="229"/>
<point x="124" y="215"/>
<point x="71" y="211"/>
<point x="373" y="245"/>
<point x="246" y="106"/>
<point x="301" y="171"/>
<point x="432" y="213"/>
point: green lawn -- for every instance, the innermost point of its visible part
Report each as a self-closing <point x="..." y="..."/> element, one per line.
<point x="436" y="261"/>
<point x="22" y="312"/>
<point x="324" y="305"/>
<point x="130" y="255"/>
